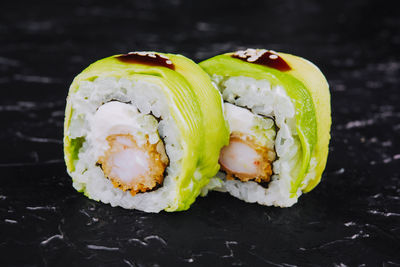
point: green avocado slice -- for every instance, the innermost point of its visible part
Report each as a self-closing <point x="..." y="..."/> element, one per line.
<point x="194" y="104"/>
<point x="307" y="118"/>
<point x="318" y="87"/>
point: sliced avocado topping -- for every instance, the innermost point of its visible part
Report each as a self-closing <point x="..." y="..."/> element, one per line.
<point x="317" y="86"/>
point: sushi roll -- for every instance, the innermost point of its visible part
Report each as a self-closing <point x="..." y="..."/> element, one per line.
<point x="278" y="109"/>
<point x="143" y="131"/>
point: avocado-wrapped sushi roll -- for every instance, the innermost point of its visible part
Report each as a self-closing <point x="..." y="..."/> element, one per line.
<point x="143" y="131"/>
<point x="278" y="109"/>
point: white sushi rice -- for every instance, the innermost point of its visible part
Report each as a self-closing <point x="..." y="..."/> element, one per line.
<point x="265" y="99"/>
<point x="94" y="117"/>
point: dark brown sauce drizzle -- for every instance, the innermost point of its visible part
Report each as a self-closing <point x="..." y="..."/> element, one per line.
<point x="267" y="58"/>
<point x="147" y="58"/>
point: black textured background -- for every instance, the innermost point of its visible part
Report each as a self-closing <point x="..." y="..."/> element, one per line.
<point x="352" y="218"/>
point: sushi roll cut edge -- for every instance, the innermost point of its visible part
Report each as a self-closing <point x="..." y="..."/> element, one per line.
<point x="278" y="109"/>
<point x="143" y="131"/>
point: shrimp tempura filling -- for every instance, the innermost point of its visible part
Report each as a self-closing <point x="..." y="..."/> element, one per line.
<point x="133" y="167"/>
<point x="245" y="160"/>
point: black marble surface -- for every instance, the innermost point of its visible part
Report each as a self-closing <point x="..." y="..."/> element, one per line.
<point x="351" y="219"/>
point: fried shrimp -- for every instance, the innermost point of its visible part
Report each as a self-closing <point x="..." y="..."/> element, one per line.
<point x="246" y="160"/>
<point x="133" y="167"/>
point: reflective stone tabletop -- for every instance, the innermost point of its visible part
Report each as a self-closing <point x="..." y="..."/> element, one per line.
<point x="351" y="219"/>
